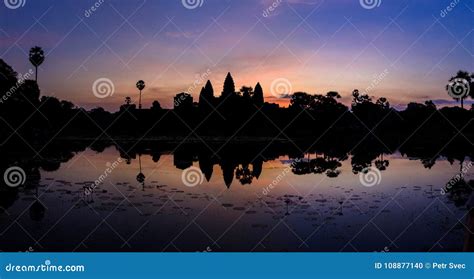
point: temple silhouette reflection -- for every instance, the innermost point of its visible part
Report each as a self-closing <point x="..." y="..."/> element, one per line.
<point x="225" y="165"/>
<point x="239" y="162"/>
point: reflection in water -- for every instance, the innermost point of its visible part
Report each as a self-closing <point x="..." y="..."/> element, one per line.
<point x="37" y="209"/>
<point x="141" y="176"/>
<point x="315" y="202"/>
<point x="469" y="232"/>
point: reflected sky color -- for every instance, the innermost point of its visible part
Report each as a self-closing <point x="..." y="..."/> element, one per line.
<point x="405" y="212"/>
<point x="317" y="45"/>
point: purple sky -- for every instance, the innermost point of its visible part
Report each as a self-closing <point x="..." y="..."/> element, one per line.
<point x="403" y="50"/>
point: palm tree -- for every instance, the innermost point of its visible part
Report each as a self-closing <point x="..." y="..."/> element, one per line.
<point x="36" y="58"/>
<point x="140" y="86"/>
<point x="459" y="86"/>
<point x="141" y="176"/>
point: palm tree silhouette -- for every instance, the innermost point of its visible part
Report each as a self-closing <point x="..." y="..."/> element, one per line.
<point x="141" y="176"/>
<point x="36" y="58"/>
<point x="465" y="76"/>
<point x="140" y="86"/>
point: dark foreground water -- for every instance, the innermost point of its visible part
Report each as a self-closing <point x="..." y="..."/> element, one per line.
<point x="277" y="204"/>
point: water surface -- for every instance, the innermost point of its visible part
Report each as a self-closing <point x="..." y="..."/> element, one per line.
<point x="248" y="205"/>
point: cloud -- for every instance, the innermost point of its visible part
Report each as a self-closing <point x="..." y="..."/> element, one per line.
<point x="444" y="102"/>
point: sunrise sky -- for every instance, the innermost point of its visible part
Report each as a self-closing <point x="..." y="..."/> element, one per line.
<point x="317" y="45"/>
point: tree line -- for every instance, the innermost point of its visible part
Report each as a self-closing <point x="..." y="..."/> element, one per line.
<point x="26" y="114"/>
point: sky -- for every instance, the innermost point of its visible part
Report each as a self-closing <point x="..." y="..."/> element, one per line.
<point x="400" y="49"/>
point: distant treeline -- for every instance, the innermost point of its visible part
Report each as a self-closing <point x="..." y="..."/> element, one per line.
<point x="28" y="116"/>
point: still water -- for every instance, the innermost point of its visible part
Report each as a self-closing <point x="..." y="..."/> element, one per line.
<point x="270" y="205"/>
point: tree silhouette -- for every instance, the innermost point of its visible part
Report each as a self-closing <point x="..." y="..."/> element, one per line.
<point x="244" y="174"/>
<point x="140" y="175"/>
<point x="156" y="106"/>
<point x="140" y="86"/>
<point x="247" y="92"/>
<point x="36" y="58"/>
<point x="360" y="99"/>
<point x="183" y="102"/>
<point x="128" y="105"/>
<point x="258" y="95"/>
<point x="383" y="103"/>
<point x="467" y="80"/>
<point x="301" y="100"/>
<point x="8" y="76"/>
<point x="30" y="90"/>
<point x="237" y="115"/>
<point x="430" y="105"/>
